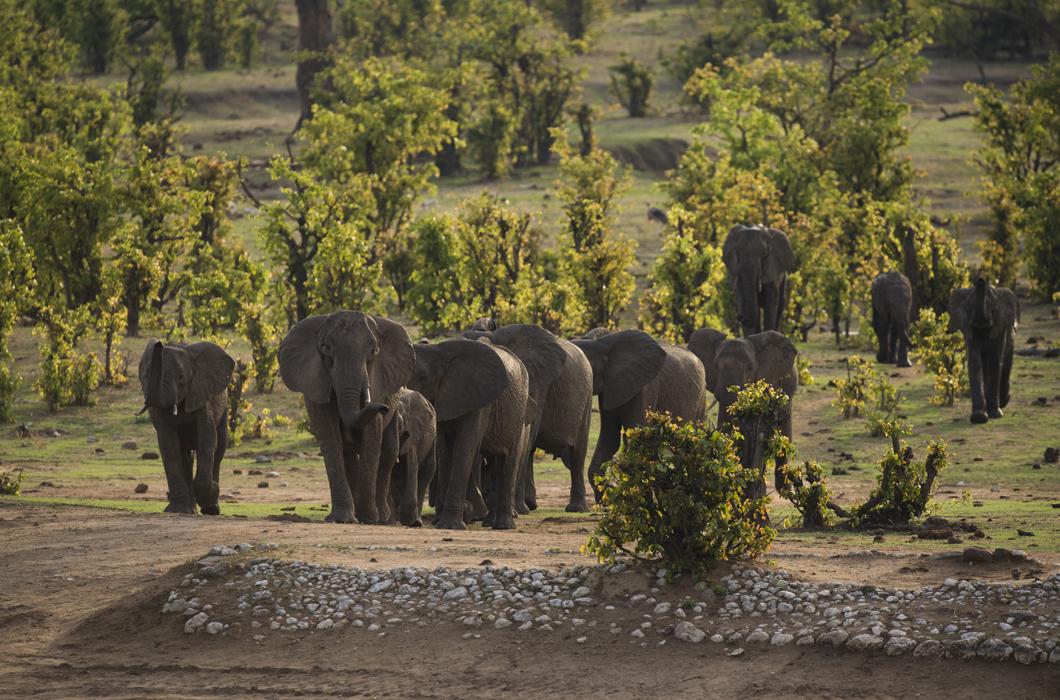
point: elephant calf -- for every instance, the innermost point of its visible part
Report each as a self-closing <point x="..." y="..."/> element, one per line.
<point x="987" y="317"/>
<point x="892" y="306"/>
<point x="416" y="456"/>
<point x="186" y="393"/>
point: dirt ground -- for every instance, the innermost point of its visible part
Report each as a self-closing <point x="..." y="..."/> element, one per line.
<point x="81" y="591"/>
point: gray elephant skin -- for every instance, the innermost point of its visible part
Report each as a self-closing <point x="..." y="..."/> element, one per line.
<point x="987" y="317"/>
<point x="758" y="260"/>
<point x="730" y="362"/>
<point x="480" y="393"/>
<point x="634" y="374"/>
<point x="350" y="366"/>
<point x="416" y="462"/>
<point x="186" y="393"/>
<point x="892" y="308"/>
<point x="561" y="386"/>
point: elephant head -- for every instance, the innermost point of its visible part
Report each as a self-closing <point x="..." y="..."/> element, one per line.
<point x="182" y="378"/>
<point x="484" y="323"/>
<point x="347" y="356"/>
<point x="623" y="363"/>
<point x="738" y="361"/>
<point x="974" y="311"/>
<point x="458" y="376"/>
<point x="535" y="347"/>
<point x="755" y="256"/>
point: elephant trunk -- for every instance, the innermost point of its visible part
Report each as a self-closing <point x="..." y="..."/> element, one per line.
<point x="979" y="317"/>
<point x="153" y="392"/>
<point x="356" y="407"/>
<point x="749" y="285"/>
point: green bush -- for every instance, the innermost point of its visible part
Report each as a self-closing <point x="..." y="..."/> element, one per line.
<point x="631" y="83"/>
<point x="678" y="496"/>
<point x="885" y="404"/>
<point x="238" y="406"/>
<point x="852" y="391"/>
<point x="10" y="483"/>
<point x="806" y="489"/>
<point x="903" y="487"/>
<point x="66" y="376"/>
<point x="85" y="370"/>
<point x="264" y="346"/>
<point x="757" y="414"/>
<point x="942" y="353"/>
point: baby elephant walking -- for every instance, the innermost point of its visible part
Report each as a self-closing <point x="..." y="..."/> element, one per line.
<point x="186" y="392"/>
<point x="416" y="458"/>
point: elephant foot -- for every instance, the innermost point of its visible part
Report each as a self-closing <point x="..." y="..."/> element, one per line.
<point x="905" y="363"/>
<point x="450" y="522"/>
<point x="181" y="508"/>
<point x="577" y="506"/>
<point x="995" y="413"/>
<point x="500" y="522"/>
<point x="212" y="509"/>
<point x="340" y="515"/>
<point x="979" y="417"/>
<point x="521" y="508"/>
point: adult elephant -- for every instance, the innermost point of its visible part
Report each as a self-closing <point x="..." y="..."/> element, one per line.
<point x="185" y="392"/>
<point x="892" y="306"/>
<point x="480" y="393"/>
<point x="758" y="260"/>
<point x="634" y="374"/>
<point x="734" y="362"/>
<point x="349" y="367"/>
<point x="987" y="317"/>
<point x="561" y="386"/>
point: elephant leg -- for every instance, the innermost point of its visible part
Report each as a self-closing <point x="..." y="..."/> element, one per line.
<point x="388" y="455"/>
<point x="407" y="507"/>
<point x="172" y="451"/>
<point x="218" y="455"/>
<point x="1004" y="386"/>
<point x="606" y="447"/>
<point x="479" y="495"/>
<point x="902" y="331"/>
<point x="522" y="488"/>
<point x="770" y="298"/>
<point x="464" y="451"/>
<point x="325" y="422"/>
<point x="505" y="469"/>
<point x="892" y="348"/>
<point x="992" y="383"/>
<point x="425" y="476"/>
<point x="882" y="328"/>
<point x="530" y="494"/>
<point x="365" y="482"/>
<point x="574" y="460"/>
<point x="207" y="489"/>
<point x="975" y="379"/>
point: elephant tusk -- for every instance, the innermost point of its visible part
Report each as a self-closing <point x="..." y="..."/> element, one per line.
<point x="174" y="409"/>
<point x="141" y="411"/>
<point x="367" y="395"/>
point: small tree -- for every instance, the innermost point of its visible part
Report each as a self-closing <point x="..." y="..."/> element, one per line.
<point x="264" y="342"/>
<point x="852" y="392"/>
<point x="109" y="320"/>
<point x="16" y="289"/>
<point x="98" y="27"/>
<point x="238" y="406"/>
<point x="631" y="83"/>
<point x="757" y="416"/>
<point x="213" y="35"/>
<point x="66" y="376"/>
<point x="178" y="18"/>
<point x="941" y="351"/>
<point x="678" y="496"/>
<point x="903" y="486"/>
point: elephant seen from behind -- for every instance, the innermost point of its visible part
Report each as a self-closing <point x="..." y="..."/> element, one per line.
<point x="987" y="317"/>
<point x="185" y="391"/>
<point x="634" y="374"/>
<point x="758" y="261"/>
<point x="892" y="308"/>
<point x="350" y="366"/>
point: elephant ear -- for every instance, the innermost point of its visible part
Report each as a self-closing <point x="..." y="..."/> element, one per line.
<point x="774" y="357"/>
<point x="211" y="373"/>
<point x="145" y="362"/>
<point x="733" y="241"/>
<point x="474" y="376"/>
<point x="634" y="358"/>
<point x="538" y="349"/>
<point x="393" y="366"/>
<point x="960" y="309"/>
<point x="704" y="344"/>
<point x="781" y="258"/>
<point x="302" y="366"/>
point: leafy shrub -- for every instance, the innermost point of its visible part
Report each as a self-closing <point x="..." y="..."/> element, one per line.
<point x="757" y="415"/>
<point x="942" y="353"/>
<point x="677" y="495"/>
<point x="802" y="365"/>
<point x="66" y="377"/>
<point x="260" y="428"/>
<point x="238" y="406"/>
<point x="264" y="346"/>
<point x="85" y="370"/>
<point x="903" y="487"/>
<point x="631" y="83"/>
<point x="805" y="487"/>
<point x="852" y="391"/>
<point x="10" y="483"/>
<point x="885" y="404"/>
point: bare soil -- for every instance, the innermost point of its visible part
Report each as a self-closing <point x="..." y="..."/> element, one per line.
<point x="81" y="592"/>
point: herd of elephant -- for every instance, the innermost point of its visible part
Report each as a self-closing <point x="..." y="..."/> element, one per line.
<point x="459" y="421"/>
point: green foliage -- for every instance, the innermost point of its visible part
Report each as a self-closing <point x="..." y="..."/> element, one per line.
<point x="213" y="35"/>
<point x="806" y="489"/>
<point x="264" y="340"/>
<point x="903" y="487"/>
<point x="852" y="392"/>
<point x="177" y="18"/>
<point x="98" y="28"/>
<point x="678" y="496"/>
<point x="66" y="376"/>
<point x="109" y="320"/>
<point x="10" y="482"/>
<point x="882" y="416"/>
<point x="576" y="17"/>
<point x="631" y="83"/>
<point x="85" y="370"/>
<point x="17" y="285"/>
<point x="757" y="415"/>
<point x="802" y="365"/>
<point x="942" y="353"/>
<point x="596" y="263"/>
<point x="1020" y="161"/>
<point x="491" y="139"/>
<point x="987" y="30"/>
<point x="238" y="405"/>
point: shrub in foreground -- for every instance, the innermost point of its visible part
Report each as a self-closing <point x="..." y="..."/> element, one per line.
<point x="10" y="483"/>
<point x="903" y="486"/>
<point x="678" y="496"/>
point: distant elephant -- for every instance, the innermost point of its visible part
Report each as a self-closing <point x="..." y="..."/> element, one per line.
<point x="892" y="307"/>
<point x="416" y="464"/>
<point x="349" y="366"/>
<point x="479" y="392"/>
<point x="561" y="386"/>
<point x="730" y="362"/>
<point x="186" y="393"/>
<point x="987" y="316"/>
<point x="758" y="260"/>
<point x="634" y="374"/>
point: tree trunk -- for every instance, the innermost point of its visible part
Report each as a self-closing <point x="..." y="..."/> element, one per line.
<point x="315" y="37"/>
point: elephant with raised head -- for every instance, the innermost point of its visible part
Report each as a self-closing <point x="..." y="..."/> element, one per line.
<point x="987" y="317"/>
<point x="759" y="260"/>
<point x="734" y="362"/>
<point x="416" y="463"/>
<point x="561" y="386"/>
<point x="892" y="307"/>
<point x="634" y="374"/>
<point x="349" y="366"/>
<point x="480" y="393"/>
<point x="186" y="393"/>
